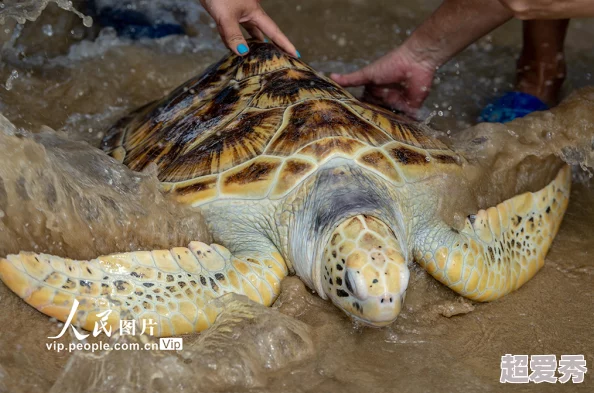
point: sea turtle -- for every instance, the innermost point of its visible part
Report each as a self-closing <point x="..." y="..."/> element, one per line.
<point x="293" y="175"/>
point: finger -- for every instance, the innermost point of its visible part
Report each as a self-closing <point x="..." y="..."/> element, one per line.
<point x="254" y="31"/>
<point x="373" y="97"/>
<point x="417" y="95"/>
<point x="232" y="36"/>
<point x="389" y="98"/>
<point x="268" y="27"/>
<point x="356" y="78"/>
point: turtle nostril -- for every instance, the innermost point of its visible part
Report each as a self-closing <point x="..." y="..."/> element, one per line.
<point x="386" y="299"/>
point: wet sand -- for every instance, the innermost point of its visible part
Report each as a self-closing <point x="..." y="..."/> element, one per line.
<point x="441" y="342"/>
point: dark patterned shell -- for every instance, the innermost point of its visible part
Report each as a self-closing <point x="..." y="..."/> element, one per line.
<point x="258" y="125"/>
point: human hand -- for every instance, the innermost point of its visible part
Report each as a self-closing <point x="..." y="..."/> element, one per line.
<point x="229" y="14"/>
<point x="395" y="80"/>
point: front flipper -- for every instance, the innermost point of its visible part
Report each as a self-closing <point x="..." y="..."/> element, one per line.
<point x="500" y="248"/>
<point x="173" y="288"/>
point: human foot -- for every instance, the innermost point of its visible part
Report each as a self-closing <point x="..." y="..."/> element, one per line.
<point x="542" y="78"/>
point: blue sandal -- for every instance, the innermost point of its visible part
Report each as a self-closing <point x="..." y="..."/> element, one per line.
<point x="511" y="106"/>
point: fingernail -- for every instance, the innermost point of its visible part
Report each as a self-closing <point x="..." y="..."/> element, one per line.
<point x="298" y="54"/>
<point x="242" y="49"/>
<point x="266" y="40"/>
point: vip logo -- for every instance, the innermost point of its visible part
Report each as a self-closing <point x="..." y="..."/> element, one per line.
<point x="171" y="344"/>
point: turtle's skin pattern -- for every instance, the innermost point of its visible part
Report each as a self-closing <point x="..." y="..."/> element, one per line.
<point x="293" y="175"/>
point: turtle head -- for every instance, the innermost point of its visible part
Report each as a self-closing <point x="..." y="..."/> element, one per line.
<point x="364" y="270"/>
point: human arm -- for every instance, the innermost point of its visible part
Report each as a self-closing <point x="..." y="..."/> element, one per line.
<point x="402" y="78"/>
<point x="229" y="14"/>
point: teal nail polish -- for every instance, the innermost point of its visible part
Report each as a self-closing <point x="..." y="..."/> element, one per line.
<point x="242" y="49"/>
<point x="266" y="40"/>
<point x="298" y="54"/>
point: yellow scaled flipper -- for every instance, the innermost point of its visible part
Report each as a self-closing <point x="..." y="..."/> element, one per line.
<point x="172" y="288"/>
<point x="502" y="247"/>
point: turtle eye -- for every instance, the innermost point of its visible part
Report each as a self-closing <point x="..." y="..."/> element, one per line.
<point x="355" y="284"/>
<point x="350" y="284"/>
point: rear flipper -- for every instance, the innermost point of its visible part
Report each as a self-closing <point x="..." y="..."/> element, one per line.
<point x="500" y="248"/>
<point x="172" y="288"/>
